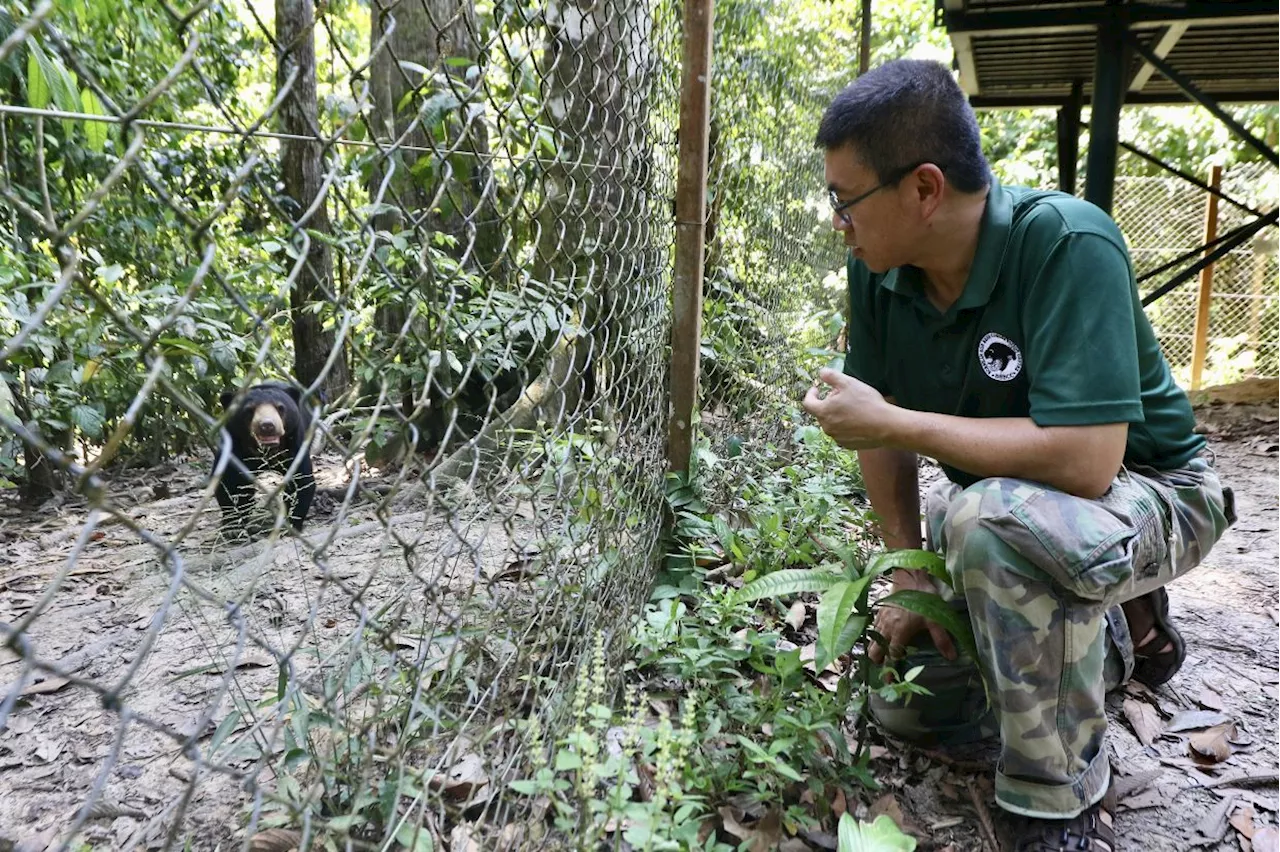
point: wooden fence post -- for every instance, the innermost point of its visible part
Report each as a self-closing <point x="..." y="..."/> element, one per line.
<point x="691" y="214"/>
<point x="1200" y="342"/>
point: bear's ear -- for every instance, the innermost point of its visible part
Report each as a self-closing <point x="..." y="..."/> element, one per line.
<point x="226" y="398"/>
<point x="295" y="393"/>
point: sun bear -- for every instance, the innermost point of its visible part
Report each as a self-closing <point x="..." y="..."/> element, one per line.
<point x="268" y="429"/>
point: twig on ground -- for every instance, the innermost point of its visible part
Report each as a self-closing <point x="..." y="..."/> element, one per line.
<point x="984" y="818"/>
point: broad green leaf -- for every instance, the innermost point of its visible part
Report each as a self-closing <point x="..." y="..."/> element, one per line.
<point x="914" y="560"/>
<point x="936" y="609"/>
<point x="883" y="835"/>
<point x="87" y="419"/>
<point x="225" y="727"/>
<point x="833" y="614"/>
<point x="37" y="85"/>
<point x="59" y="85"/>
<point x="415" y="838"/>
<point x="850" y="633"/>
<point x="6" y="401"/>
<point x="787" y="582"/>
<point x="94" y="131"/>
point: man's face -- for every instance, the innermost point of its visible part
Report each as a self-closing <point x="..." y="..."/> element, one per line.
<point x="872" y="226"/>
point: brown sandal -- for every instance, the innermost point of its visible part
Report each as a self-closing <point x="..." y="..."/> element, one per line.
<point x="1157" y="659"/>
<point x="1094" y="830"/>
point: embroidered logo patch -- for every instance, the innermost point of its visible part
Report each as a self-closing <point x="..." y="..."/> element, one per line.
<point x="1000" y="357"/>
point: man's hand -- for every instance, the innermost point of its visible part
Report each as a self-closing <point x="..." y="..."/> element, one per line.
<point x="854" y="414"/>
<point x="899" y="627"/>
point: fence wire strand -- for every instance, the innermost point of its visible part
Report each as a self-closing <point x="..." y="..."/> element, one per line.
<point x="444" y="226"/>
<point x="447" y="228"/>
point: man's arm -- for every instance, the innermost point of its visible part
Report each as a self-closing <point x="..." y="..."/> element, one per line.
<point x="893" y="487"/>
<point x="1080" y="460"/>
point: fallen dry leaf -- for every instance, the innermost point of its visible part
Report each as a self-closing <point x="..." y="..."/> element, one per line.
<point x="1149" y="799"/>
<point x="466" y="775"/>
<point x="461" y="839"/>
<point x="887" y="805"/>
<point x="839" y="804"/>
<point x="1214" y="744"/>
<point x="275" y="840"/>
<point x="1266" y="839"/>
<point x="1242" y="821"/>
<point x="1190" y="720"/>
<point x="796" y="615"/>
<point x="1211" y="699"/>
<point x="1144" y="720"/>
<point x="43" y="687"/>
<point x="761" y="836"/>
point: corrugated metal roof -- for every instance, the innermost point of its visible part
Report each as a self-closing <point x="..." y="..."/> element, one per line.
<point x="1020" y="53"/>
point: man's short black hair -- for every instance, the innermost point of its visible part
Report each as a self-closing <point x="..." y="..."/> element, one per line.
<point x="905" y="112"/>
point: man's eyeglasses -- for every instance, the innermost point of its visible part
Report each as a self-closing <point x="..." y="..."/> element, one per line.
<point x="839" y="207"/>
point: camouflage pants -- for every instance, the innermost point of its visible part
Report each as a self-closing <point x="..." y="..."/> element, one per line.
<point x="1042" y="575"/>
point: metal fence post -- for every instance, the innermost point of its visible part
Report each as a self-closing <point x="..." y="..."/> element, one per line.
<point x="691" y="206"/>
<point x="1199" y="343"/>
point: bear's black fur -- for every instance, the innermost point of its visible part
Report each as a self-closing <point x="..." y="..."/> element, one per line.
<point x="268" y="430"/>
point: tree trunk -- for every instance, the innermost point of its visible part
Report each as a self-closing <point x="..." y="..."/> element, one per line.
<point x="447" y="188"/>
<point x="303" y="171"/>
<point x="597" y="66"/>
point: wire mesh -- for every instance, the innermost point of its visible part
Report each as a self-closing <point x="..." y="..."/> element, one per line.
<point x="774" y="285"/>
<point x="445" y="226"/>
<point x="1164" y="218"/>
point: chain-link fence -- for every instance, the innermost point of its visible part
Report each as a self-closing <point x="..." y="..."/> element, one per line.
<point x="1163" y="218"/>
<point x="444" y="227"/>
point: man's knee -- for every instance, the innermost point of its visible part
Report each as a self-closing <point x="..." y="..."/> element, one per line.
<point x="954" y="712"/>
<point x="970" y="537"/>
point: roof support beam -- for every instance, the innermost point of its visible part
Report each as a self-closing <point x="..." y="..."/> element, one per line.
<point x="1069" y="139"/>
<point x="1086" y="18"/>
<point x="1110" y="69"/>
<point x="1162" y="48"/>
<point x="962" y="44"/>
<point x="1201" y="98"/>
<point x="1030" y="101"/>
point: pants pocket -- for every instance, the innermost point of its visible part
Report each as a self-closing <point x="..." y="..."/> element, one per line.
<point x="1090" y="547"/>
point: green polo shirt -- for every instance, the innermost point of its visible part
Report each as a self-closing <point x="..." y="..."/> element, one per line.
<point x="1049" y="326"/>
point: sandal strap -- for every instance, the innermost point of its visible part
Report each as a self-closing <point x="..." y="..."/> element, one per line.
<point x="1093" y="830"/>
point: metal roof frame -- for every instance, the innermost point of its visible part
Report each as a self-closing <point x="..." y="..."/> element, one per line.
<point x="1106" y="53"/>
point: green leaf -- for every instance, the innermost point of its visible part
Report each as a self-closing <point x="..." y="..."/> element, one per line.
<point x="346" y="822"/>
<point x="87" y="419"/>
<point x="883" y="835"/>
<point x="6" y="401"/>
<point x="59" y="87"/>
<point x="937" y="610"/>
<point x="788" y="582"/>
<point x="415" y="838"/>
<point x="94" y="131"/>
<point x="914" y="560"/>
<point x="37" y="85"/>
<point x="834" y="611"/>
<point x="566" y="759"/>
<point x="225" y="727"/>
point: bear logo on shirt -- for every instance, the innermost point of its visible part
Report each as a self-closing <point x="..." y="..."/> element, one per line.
<point x="1000" y="357"/>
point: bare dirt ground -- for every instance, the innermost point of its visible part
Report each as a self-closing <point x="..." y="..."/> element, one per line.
<point x="1196" y="761"/>
<point x="157" y="657"/>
